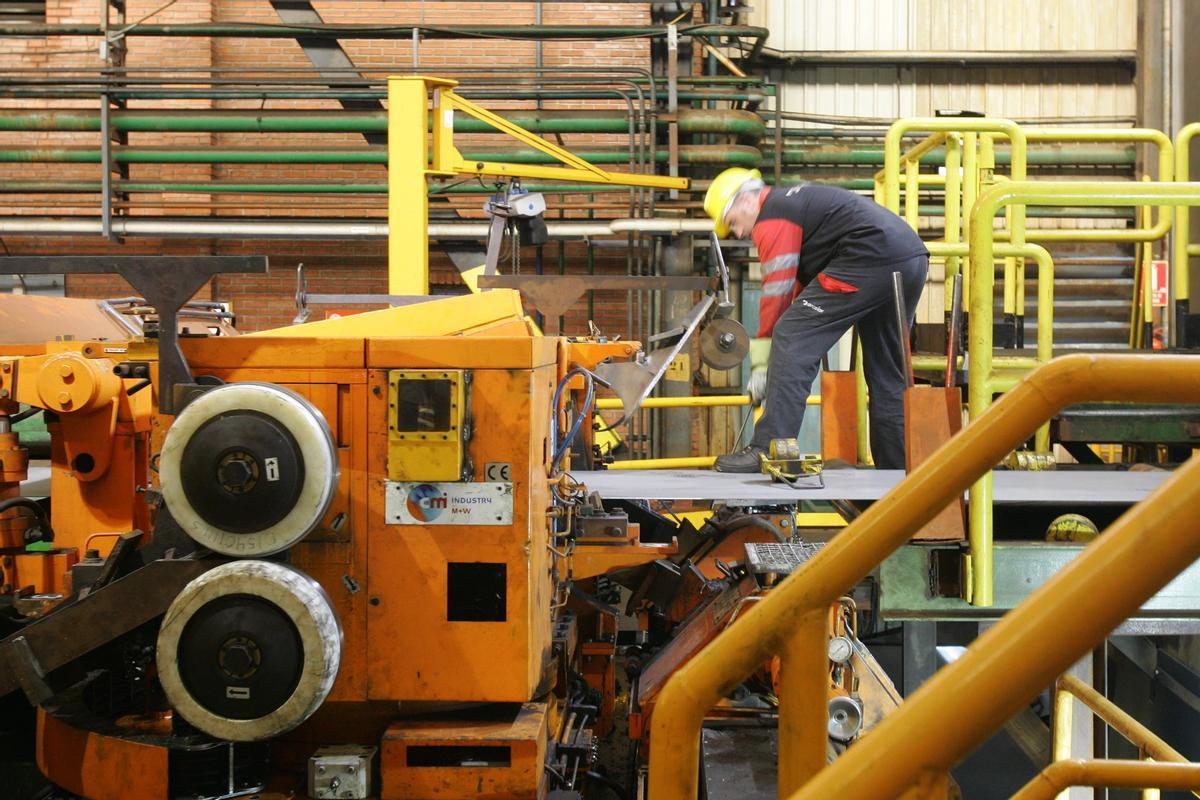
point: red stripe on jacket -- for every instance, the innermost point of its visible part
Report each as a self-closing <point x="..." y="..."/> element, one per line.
<point x="778" y="242"/>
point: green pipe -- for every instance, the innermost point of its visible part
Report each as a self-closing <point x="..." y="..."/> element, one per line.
<point x="739" y="123"/>
<point x="873" y="156"/>
<point x="688" y="154"/>
<point x="731" y="155"/>
<point x="756" y="96"/>
<point x="254" y="30"/>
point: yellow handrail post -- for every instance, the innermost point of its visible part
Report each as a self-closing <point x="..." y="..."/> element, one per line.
<point x="803" y="724"/>
<point x="912" y="193"/>
<point x="953" y="218"/>
<point x="1062" y="721"/>
<point x="861" y="414"/>
<point x="970" y="192"/>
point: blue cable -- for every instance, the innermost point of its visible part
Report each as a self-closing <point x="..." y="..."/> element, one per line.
<point x="560" y="450"/>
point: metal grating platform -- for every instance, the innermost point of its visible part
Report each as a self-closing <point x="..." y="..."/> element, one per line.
<point x="782" y="558"/>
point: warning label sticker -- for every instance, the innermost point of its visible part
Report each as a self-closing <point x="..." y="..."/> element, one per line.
<point x="448" y="503"/>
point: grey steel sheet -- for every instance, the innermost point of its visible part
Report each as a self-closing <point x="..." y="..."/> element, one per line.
<point x="1039" y="488"/>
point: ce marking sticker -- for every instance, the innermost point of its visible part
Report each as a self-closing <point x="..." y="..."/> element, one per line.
<point x="497" y="471"/>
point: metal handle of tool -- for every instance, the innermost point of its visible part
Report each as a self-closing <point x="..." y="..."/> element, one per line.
<point x="952" y="338"/>
<point x="721" y="269"/>
<point x="902" y="326"/>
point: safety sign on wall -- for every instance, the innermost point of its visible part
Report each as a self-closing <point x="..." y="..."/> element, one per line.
<point x="448" y="503"/>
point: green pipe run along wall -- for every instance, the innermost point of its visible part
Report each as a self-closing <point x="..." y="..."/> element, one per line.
<point x="742" y="124"/>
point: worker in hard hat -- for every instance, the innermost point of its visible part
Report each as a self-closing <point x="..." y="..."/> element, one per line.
<point x="827" y="257"/>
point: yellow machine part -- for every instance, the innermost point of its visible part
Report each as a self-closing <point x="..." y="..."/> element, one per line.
<point x="459" y="314"/>
<point x="426" y="416"/>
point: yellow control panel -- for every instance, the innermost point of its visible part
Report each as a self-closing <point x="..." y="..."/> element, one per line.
<point x="427" y="424"/>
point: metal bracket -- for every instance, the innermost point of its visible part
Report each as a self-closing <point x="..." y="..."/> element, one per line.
<point x="76" y="628"/>
<point x="553" y="295"/>
<point x="633" y="380"/>
<point x="166" y="282"/>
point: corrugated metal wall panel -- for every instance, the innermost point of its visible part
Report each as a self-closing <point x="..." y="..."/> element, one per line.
<point x="1098" y="92"/>
<point x="1024" y="24"/>
<point x="836" y="24"/>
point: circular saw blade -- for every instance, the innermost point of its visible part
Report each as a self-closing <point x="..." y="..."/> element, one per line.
<point x="723" y="344"/>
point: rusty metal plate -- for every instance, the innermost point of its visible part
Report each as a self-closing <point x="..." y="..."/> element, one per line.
<point x="37" y="319"/>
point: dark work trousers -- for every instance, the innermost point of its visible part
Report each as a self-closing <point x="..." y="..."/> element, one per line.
<point x="815" y="321"/>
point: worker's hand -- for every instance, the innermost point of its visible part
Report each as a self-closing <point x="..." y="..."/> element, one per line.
<point x="756" y="387"/>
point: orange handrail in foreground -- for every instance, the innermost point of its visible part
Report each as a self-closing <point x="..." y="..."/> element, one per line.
<point x="1114" y="774"/>
<point x="969" y="699"/>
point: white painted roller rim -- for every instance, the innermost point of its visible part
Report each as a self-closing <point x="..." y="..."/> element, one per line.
<point x="313" y="438"/>
<point x="298" y="596"/>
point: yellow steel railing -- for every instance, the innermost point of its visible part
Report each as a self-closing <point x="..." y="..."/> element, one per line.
<point x="702" y="401"/>
<point x="1166" y="173"/>
<point x="976" y="157"/>
<point x="1070" y="688"/>
<point x="981" y="386"/>
<point x="1182" y="246"/>
<point x="960" y="705"/>
<point x="1114" y="774"/>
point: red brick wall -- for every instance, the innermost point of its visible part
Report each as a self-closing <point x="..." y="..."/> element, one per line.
<point x="332" y="266"/>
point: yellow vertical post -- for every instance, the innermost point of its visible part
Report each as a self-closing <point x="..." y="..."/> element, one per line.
<point x="912" y="193"/>
<point x="1019" y="265"/>
<point x="1181" y="239"/>
<point x="803" y="702"/>
<point x="953" y="206"/>
<point x="1146" y="257"/>
<point x="970" y="191"/>
<point x="1148" y="794"/>
<point x="408" y="198"/>
<point x="1045" y="318"/>
<point x="1062" y="722"/>
<point x="860" y="407"/>
<point x="1010" y="275"/>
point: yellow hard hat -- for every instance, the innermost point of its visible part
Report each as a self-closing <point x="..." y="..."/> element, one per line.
<point x="721" y="192"/>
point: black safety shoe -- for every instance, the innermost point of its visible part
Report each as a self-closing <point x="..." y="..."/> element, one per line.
<point x="748" y="459"/>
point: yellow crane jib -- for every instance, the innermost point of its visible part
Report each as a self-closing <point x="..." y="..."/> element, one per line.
<point x="410" y="164"/>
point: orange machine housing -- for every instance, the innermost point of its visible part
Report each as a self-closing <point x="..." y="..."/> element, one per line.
<point x="409" y="647"/>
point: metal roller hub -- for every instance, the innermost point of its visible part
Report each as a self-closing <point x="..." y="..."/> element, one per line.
<point x="240" y="657"/>
<point x="249" y="650"/>
<point x="249" y="469"/>
<point x="250" y="485"/>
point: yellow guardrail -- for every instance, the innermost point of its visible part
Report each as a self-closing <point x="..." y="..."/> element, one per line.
<point x="1114" y="774"/>
<point x="1010" y="663"/>
<point x="1150" y="746"/>
<point x="1182" y="246"/>
<point x="970" y="166"/>
<point x="979" y="335"/>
